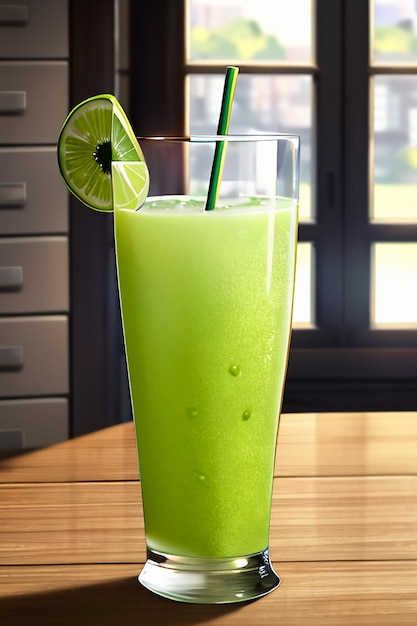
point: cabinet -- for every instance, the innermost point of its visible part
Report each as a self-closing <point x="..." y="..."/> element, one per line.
<point x="34" y="237"/>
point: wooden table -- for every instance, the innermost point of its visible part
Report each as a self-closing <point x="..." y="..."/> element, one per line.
<point x="343" y="535"/>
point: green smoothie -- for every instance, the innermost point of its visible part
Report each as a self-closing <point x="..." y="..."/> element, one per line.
<point x="206" y="304"/>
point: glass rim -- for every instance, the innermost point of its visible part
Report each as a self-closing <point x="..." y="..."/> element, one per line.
<point x="234" y="137"/>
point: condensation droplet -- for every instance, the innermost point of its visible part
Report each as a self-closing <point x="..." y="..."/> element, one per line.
<point x="246" y="415"/>
<point x="234" y="370"/>
<point x="192" y="412"/>
<point x="201" y="478"/>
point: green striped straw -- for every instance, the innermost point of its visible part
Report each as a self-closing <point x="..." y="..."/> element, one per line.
<point x="222" y="129"/>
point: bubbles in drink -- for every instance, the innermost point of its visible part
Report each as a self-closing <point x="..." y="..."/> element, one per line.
<point x="246" y="415"/>
<point x="234" y="370"/>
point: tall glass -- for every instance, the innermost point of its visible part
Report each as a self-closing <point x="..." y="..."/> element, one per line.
<point x="206" y="299"/>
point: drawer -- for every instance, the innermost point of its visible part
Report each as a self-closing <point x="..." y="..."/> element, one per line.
<point x="34" y="275"/>
<point x="34" y="29"/>
<point x="33" y="356"/>
<point x="33" y="101"/>
<point x="33" y="197"/>
<point x="33" y="423"/>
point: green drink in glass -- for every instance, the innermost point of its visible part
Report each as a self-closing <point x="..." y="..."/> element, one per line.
<point x="206" y="277"/>
<point x="206" y="300"/>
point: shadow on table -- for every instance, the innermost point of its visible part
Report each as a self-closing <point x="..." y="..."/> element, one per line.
<point x="122" y="602"/>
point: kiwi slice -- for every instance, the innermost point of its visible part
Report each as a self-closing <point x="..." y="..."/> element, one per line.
<point x="96" y="134"/>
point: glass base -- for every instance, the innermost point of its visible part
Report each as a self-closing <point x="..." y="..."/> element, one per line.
<point x="209" y="581"/>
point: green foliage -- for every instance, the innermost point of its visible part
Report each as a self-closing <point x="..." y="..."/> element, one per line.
<point x="406" y="159"/>
<point x="206" y="45"/>
<point x="272" y="50"/>
<point x="390" y="40"/>
<point x="241" y="39"/>
<point x="401" y="168"/>
<point x="242" y="28"/>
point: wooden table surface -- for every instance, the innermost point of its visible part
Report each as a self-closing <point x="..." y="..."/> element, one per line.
<point x="343" y="530"/>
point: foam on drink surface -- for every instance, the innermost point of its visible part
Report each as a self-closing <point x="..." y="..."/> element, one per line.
<point x="195" y="205"/>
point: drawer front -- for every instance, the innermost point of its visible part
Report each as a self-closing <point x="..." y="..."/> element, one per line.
<point x="34" y="275"/>
<point x="34" y="29"/>
<point x="33" y="423"/>
<point x="28" y="112"/>
<point x="33" y="356"/>
<point x="33" y="197"/>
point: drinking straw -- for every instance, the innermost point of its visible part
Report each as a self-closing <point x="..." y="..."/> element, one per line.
<point x="222" y="129"/>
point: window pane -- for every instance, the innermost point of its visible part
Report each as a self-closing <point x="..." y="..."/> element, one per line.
<point x="303" y="299"/>
<point x="263" y="103"/>
<point x="394" y="284"/>
<point x="395" y="148"/>
<point x="394" y="39"/>
<point x="250" y="30"/>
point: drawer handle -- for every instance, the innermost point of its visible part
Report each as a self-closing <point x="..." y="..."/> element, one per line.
<point x="11" y="358"/>
<point x="12" y="195"/>
<point x="13" y="15"/>
<point x="12" y="102"/>
<point x="11" y="278"/>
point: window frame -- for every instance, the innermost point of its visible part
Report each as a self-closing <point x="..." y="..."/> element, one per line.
<point x="341" y="362"/>
<point x="361" y="232"/>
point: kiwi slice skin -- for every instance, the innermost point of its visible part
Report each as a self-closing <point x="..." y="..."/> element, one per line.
<point x="95" y="133"/>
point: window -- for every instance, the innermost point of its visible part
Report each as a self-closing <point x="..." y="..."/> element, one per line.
<point x="343" y="75"/>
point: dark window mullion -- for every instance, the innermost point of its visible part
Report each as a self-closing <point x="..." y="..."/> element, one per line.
<point x="326" y="232"/>
<point x="157" y="45"/>
<point x="357" y="171"/>
<point x="393" y="232"/>
<point x="328" y="244"/>
<point x="253" y="68"/>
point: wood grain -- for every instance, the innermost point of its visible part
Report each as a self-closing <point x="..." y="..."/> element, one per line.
<point x="311" y="444"/>
<point x="108" y="454"/>
<point x="347" y="444"/>
<point x="322" y="519"/>
<point x="343" y="530"/>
